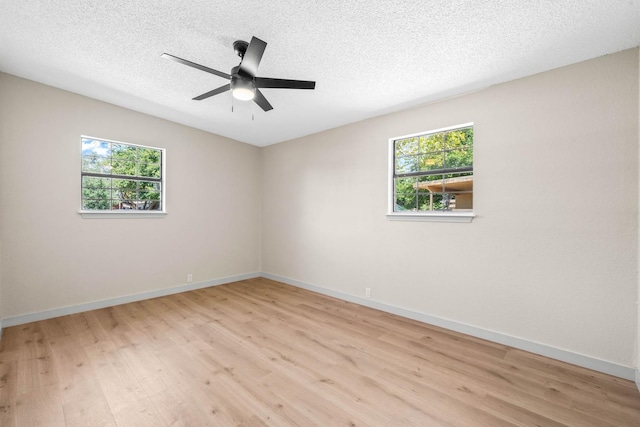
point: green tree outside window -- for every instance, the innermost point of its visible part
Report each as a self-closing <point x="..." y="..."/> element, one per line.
<point x="119" y="176"/>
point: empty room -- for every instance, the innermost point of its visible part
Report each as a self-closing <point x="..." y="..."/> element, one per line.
<point x="361" y="213"/>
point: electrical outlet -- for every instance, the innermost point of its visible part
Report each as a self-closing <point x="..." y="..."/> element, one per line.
<point x="367" y="292"/>
<point x="189" y="278"/>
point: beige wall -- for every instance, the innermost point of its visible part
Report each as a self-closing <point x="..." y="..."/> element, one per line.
<point x="551" y="256"/>
<point x="52" y="257"/>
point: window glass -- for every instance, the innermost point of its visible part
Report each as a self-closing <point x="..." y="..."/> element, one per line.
<point x="118" y="176"/>
<point x="433" y="171"/>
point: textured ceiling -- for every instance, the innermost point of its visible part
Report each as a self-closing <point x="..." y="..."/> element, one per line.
<point x="368" y="57"/>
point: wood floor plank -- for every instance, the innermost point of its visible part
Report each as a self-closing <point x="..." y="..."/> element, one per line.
<point x="549" y="384"/>
<point x="261" y="353"/>
<point x="140" y="413"/>
<point x="125" y="396"/>
<point x="8" y="386"/>
<point x="83" y="401"/>
<point x="40" y="407"/>
<point x="317" y="408"/>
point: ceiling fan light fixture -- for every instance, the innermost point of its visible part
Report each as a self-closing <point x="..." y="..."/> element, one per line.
<point x="243" y="89"/>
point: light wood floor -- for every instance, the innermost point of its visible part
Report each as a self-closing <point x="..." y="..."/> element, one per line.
<point x="258" y="352"/>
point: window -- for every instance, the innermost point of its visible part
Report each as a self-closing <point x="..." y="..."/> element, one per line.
<point x="432" y="173"/>
<point x="121" y="177"/>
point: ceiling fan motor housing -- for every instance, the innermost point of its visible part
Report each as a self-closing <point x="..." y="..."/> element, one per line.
<point x="240" y="47"/>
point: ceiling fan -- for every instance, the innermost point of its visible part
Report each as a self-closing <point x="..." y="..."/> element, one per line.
<point x="243" y="82"/>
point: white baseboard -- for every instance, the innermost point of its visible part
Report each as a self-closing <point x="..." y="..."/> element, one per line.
<point x="63" y="311"/>
<point x="497" y="337"/>
<point x="522" y="344"/>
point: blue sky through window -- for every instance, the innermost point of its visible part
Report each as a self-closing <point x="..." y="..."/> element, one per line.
<point x="94" y="147"/>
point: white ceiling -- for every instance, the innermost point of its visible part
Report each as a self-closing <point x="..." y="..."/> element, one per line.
<point x="368" y="57"/>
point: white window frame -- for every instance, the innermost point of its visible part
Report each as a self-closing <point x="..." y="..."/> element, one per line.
<point x="420" y="216"/>
<point x="127" y="213"/>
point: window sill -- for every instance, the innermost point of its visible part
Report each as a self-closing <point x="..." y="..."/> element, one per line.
<point x="432" y="216"/>
<point x="121" y="214"/>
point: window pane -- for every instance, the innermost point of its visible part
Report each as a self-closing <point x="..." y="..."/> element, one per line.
<point x="429" y="202"/>
<point x="149" y="185"/>
<point x="95" y="148"/>
<point x="118" y="204"/>
<point x="431" y="161"/>
<point x="405" y="194"/>
<point x="99" y="193"/>
<point x="460" y="187"/>
<point x="430" y="183"/>
<point x="96" y="164"/>
<point x="95" y="204"/>
<point x="406" y="147"/>
<point x="148" y="155"/>
<point x="459" y="158"/>
<point x="148" y="205"/>
<point x="150" y="170"/>
<point x="425" y="201"/>
<point x="149" y="195"/>
<point x="440" y="201"/>
<point x="460" y="138"/>
<point x="405" y="202"/>
<point x="123" y="152"/>
<point x="125" y="195"/>
<point x="92" y="182"/>
<point x="406" y="164"/>
<point x="129" y="184"/>
<point x="443" y="201"/>
<point x="121" y="167"/>
<point x="124" y="189"/>
<point x="430" y="143"/>
<point x="461" y="200"/>
<point x="450" y="191"/>
<point x="450" y="176"/>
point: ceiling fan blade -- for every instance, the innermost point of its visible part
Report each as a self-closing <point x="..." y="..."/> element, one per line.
<point x="217" y="91"/>
<point x="252" y="57"/>
<point x="197" y="66"/>
<point x="264" y="82"/>
<point x="262" y="101"/>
